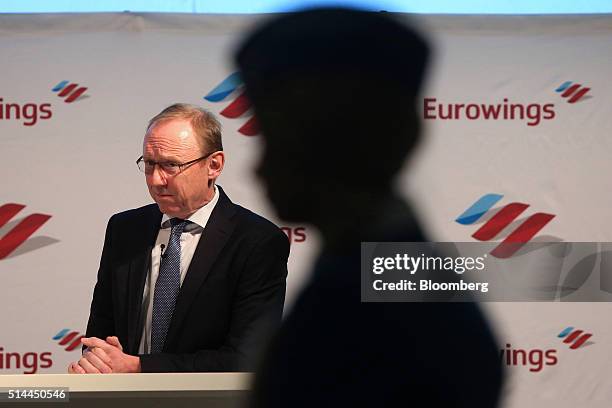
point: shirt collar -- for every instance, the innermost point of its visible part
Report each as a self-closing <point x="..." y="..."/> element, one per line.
<point x="198" y="219"/>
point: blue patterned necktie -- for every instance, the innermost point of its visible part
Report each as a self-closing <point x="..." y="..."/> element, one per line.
<point x="167" y="287"/>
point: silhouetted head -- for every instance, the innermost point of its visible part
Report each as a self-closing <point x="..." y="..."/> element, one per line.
<point x="334" y="91"/>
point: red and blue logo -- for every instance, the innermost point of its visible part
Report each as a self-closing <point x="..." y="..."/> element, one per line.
<point x="574" y="92"/>
<point x="232" y="89"/>
<point x="70" y="92"/>
<point x="502" y="219"/>
<point x="68" y="338"/>
<point x="575" y="338"/>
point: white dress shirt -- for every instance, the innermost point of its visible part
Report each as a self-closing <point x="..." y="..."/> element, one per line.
<point x="189" y="241"/>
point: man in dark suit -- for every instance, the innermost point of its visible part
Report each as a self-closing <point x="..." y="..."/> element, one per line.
<point x="193" y="282"/>
<point x="335" y="92"/>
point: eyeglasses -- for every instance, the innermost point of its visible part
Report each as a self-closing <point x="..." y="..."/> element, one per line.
<point x="170" y="168"/>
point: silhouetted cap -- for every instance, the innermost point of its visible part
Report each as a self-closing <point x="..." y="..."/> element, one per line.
<point x="332" y="42"/>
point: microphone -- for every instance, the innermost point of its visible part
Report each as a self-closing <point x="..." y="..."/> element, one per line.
<point x="162" y="247"/>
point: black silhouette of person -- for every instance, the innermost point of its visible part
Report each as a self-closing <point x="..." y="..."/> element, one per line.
<point x="335" y="93"/>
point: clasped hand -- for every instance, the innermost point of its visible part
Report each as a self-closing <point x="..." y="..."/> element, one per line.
<point x="104" y="357"/>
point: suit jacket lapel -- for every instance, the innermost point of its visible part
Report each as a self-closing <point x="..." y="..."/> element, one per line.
<point x="214" y="237"/>
<point x="139" y="268"/>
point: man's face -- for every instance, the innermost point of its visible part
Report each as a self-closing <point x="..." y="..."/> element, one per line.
<point x="178" y="195"/>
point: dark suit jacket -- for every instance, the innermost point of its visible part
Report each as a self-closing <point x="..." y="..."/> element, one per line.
<point x="333" y="350"/>
<point x="232" y="295"/>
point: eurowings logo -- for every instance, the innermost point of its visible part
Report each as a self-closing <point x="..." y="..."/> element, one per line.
<point x="20" y="232"/>
<point x="232" y="88"/>
<point x="70" y="339"/>
<point x="576" y="338"/>
<point x="575" y="92"/>
<point x="502" y="219"/>
<point x="70" y="91"/>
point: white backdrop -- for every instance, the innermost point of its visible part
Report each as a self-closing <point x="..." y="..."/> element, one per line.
<point x="78" y="165"/>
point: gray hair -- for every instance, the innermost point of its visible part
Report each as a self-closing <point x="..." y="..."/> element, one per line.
<point x="204" y="123"/>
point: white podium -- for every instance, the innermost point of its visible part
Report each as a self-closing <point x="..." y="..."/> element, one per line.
<point x="222" y="390"/>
